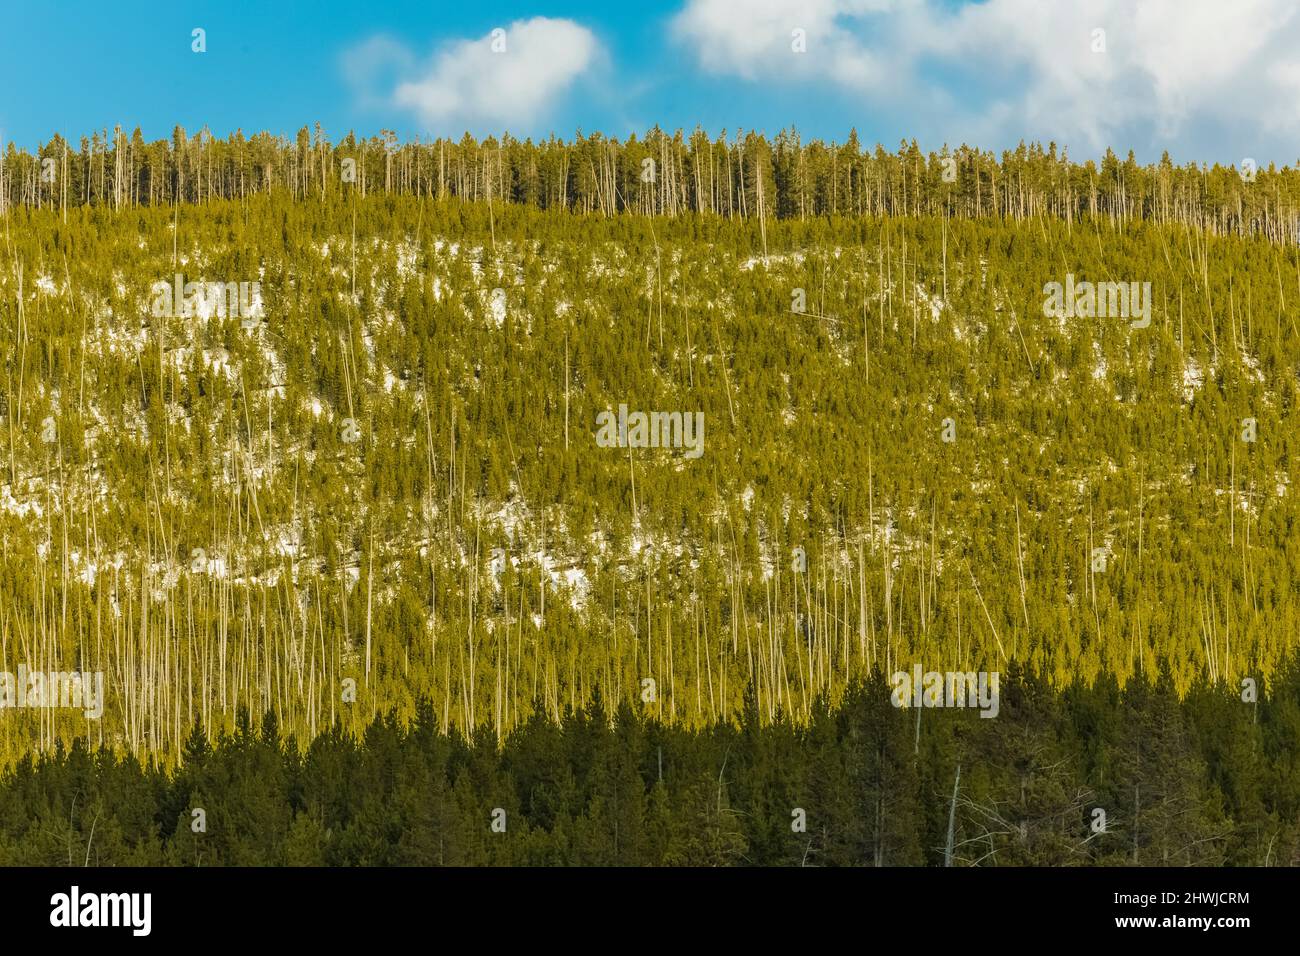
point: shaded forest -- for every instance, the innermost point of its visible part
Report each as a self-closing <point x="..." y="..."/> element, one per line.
<point x="1200" y="780"/>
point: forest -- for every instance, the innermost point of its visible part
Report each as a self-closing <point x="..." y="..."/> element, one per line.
<point x="329" y="464"/>
<point x="743" y="175"/>
<point x="1082" y="776"/>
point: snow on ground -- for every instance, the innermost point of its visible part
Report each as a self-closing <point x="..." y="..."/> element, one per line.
<point x="1193" y="378"/>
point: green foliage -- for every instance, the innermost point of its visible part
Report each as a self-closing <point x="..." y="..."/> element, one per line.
<point x="200" y="530"/>
<point x="182" y="508"/>
<point x="1198" y="781"/>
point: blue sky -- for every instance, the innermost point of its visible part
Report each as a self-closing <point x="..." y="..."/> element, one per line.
<point x="1204" y="79"/>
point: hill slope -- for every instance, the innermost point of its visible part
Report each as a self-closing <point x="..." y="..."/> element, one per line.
<point x="388" y="471"/>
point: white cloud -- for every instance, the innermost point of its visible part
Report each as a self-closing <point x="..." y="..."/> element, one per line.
<point x="753" y="38"/>
<point x="507" y="79"/>
<point x="1194" y="76"/>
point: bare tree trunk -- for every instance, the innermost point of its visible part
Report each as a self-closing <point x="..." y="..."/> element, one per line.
<point x="952" y="818"/>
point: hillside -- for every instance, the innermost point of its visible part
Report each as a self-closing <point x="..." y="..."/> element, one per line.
<point x="386" y="471"/>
